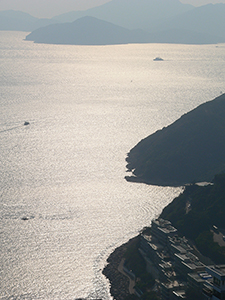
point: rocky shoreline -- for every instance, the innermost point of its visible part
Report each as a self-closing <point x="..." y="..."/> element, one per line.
<point x="119" y="283"/>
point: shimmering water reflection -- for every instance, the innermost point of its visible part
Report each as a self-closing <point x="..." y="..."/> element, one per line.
<point x="64" y="203"/>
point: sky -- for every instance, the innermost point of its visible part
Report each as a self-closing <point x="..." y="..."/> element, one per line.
<point x="50" y="8"/>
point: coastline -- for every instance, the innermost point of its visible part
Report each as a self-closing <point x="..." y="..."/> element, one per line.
<point x="136" y="179"/>
<point x="120" y="284"/>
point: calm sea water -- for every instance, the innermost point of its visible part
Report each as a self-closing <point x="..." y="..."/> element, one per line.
<point x="87" y="107"/>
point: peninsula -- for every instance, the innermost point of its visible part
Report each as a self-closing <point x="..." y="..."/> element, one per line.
<point x="189" y="150"/>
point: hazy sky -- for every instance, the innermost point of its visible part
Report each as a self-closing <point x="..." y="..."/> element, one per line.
<point x="201" y="2"/>
<point x="50" y="8"/>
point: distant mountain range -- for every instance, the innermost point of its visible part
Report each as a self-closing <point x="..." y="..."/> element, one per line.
<point x="152" y="21"/>
<point x="132" y="14"/>
<point x="189" y="150"/>
<point x="208" y="20"/>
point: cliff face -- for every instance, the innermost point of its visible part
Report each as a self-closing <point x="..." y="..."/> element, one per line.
<point x="191" y="149"/>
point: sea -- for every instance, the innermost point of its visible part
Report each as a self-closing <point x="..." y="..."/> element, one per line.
<point x="64" y="202"/>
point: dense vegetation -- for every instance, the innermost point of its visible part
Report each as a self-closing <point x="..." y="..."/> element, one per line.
<point x="191" y="149"/>
<point x="197" y="211"/>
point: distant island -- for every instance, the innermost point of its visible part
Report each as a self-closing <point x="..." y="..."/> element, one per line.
<point x="87" y="31"/>
<point x="189" y="150"/>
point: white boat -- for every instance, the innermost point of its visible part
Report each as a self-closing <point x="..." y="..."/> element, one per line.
<point x="158" y="59"/>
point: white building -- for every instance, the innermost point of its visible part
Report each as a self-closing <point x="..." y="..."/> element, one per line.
<point x="218" y="283"/>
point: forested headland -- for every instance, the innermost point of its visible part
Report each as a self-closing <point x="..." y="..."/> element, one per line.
<point x="189" y="150"/>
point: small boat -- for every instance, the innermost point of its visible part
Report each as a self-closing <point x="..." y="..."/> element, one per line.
<point x="26" y="123"/>
<point x="158" y="59"/>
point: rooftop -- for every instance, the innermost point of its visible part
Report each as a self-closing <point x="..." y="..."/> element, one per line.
<point x="180" y="294"/>
<point x="167" y="229"/>
<point x="164" y="225"/>
<point x="177" y="241"/>
<point x="200" y="277"/>
<point x="217" y="270"/>
<point x="147" y="237"/>
<point x="173" y="284"/>
<point x="161" y="222"/>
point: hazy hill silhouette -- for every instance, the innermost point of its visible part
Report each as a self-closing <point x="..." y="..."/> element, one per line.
<point x="20" y="21"/>
<point x="183" y="36"/>
<point x="87" y="31"/>
<point x="190" y="149"/>
<point x="131" y="14"/>
<point x="164" y="21"/>
<point x="207" y="21"/>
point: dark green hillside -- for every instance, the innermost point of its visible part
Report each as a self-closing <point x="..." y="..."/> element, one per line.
<point x="196" y="211"/>
<point x="191" y="149"/>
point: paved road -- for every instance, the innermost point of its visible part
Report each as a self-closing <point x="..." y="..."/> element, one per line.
<point x="132" y="282"/>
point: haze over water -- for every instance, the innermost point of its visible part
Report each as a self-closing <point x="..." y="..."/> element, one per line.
<point x="87" y="107"/>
